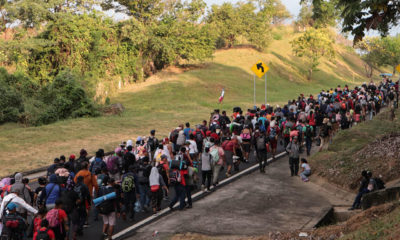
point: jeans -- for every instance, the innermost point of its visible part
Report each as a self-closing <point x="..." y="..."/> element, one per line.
<point x="262" y="159"/>
<point x="216" y="170"/>
<point x="206" y="175"/>
<point x="144" y="190"/>
<point x="357" y="201"/>
<point x="294" y="166"/>
<point x="305" y="174"/>
<point x="129" y="203"/>
<point x="308" y="145"/>
<point x="179" y="196"/>
<point x="188" y="190"/>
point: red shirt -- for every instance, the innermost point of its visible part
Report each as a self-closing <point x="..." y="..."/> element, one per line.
<point x="61" y="215"/>
<point x="215" y="136"/>
<point x="49" y="232"/>
<point x="36" y="224"/>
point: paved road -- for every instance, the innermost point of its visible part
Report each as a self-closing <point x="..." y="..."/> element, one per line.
<point x="253" y="205"/>
<point x="94" y="230"/>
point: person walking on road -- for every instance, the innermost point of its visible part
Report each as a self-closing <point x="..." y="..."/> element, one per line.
<point x="260" y="144"/>
<point x="110" y="208"/>
<point x="294" y="154"/>
<point x="157" y="185"/>
<point x="308" y="136"/>
<point x="206" y="172"/>
<point x="217" y="160"/>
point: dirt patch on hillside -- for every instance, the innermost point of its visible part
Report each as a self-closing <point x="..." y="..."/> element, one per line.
<point x="325" y="233"/>
<point x="380" y="156"/>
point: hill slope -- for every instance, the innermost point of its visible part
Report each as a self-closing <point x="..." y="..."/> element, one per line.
<point x="172" y="97"/>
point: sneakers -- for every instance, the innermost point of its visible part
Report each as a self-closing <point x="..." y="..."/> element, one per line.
<point x="306" y="180"/>
<point x="228" y="175"/>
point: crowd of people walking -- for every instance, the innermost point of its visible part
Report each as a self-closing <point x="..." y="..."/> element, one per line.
<point x="140" y="174"/>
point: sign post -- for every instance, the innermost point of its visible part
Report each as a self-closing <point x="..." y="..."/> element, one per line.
<point x="255" y="90"/>
<point x="265" y="89"/>
<point x="260" y="69"/>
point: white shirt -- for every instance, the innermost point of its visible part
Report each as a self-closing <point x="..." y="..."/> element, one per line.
<point x="19" y="201"/>
<point x="306" y="166"/>
<point x="166" y="152"/>
<point x="193" y="147"/>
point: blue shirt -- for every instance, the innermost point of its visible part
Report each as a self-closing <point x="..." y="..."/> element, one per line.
<point x="187" y="132"/>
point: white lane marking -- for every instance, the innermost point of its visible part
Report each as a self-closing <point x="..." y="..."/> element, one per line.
<point x="166" y="210"/>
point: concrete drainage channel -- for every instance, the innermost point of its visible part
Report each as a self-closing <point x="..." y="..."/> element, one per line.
<point x="334" y="215"/>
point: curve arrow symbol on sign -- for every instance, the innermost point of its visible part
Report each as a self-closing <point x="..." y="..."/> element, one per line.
<point x="259" y="65"/>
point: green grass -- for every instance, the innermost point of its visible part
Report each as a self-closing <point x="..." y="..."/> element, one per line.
<point x="169" y="99"/>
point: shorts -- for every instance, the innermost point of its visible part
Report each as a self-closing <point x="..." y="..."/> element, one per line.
<point x="246" y="147"/>
<point x="110" y="219"/>
<point x="229" y="158"/>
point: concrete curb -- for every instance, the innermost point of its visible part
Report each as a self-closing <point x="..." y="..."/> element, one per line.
<point x="195" y="197"/>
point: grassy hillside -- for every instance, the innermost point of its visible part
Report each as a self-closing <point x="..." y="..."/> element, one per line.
<point x="372" y="145"/>
<point x="174" y="96"/>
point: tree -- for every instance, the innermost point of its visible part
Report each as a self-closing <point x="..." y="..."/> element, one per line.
<point x="143" y="10"/>
<point x="360" y="16"/>
<point x="275" y="9"/>
<point x="312" y="45"/>
<point x="226" y="22"/>
<point x="305" y="19"/>
<point x="391" y="48"/>
<point x="372" y="53"/>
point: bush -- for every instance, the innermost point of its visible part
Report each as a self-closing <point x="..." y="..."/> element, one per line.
<point x="21" y="100"/>
<point x="11" y="104"/>
<point x="277" y="36"/>
<point x="67" y="98"/>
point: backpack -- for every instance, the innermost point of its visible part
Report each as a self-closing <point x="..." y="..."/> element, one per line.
<point x="286" y="131"/>
<point x="152" y="143"/>
<point x="178" y="164"/>
<point x="96" y="165"/>
<point x="261" y="143"/>
<point x="128" y="183"/>
<point x="391" y="95"/>
<point x="199" y="137"/>
<point x="52" y="217"/>
<point x="245" y="136"/>
<point x="107" y="206"/>
<point x="78" y="190"/>
<point x="174" y="136"/>
<point x="143" y="177"/>
<point x="308" y="132"/>
<point x="379" y="183"/>
<point x="214" y="153"/>
<point x="162" y="171"/>
<point x="369" y="106"/>
<point x="42" y="235"/>
<point x="112" y="166"/>
<point x="272" y="133"/>
<point x="175" y="176"/>
<point x="262" y="126"/>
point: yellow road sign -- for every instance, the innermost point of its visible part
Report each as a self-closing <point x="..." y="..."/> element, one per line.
<point x="398" y="68"/>
<point x="260" y="69"/>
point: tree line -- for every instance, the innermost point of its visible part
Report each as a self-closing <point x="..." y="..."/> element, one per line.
<point x="63" y="58"/>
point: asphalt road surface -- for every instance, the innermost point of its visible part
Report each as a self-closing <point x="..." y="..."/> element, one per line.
<point x="94" y="231"/>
